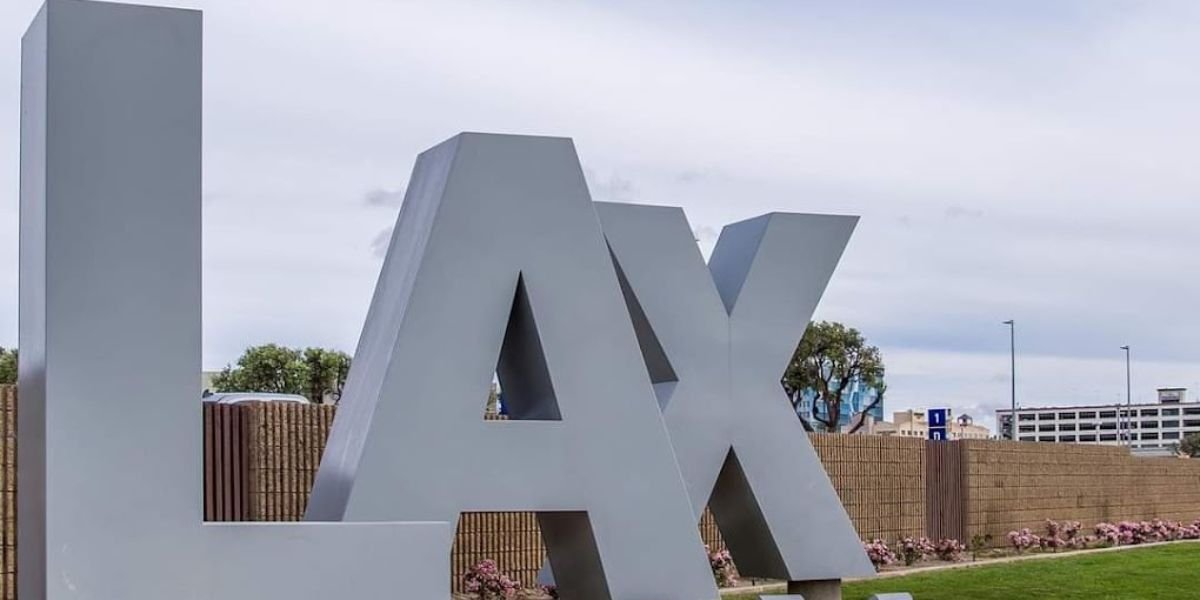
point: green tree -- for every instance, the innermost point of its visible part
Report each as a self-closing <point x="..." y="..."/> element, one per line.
<point x="267" y="368"/>
<point x="1191" y="445"/>
<point x="316" y="373"/>
<point x="493" y="402"/>
<point x="326" y="373"/>
<point x="8" y="366"/>
<point x="828" y="360"/>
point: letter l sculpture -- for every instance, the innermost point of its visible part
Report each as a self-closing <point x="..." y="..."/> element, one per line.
<point x="109" y="421"/>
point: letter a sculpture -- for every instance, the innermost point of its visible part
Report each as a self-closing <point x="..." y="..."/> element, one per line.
<point x="498" y="265"/>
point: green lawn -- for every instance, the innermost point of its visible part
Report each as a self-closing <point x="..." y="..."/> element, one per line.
<point x="1159" y="573"/>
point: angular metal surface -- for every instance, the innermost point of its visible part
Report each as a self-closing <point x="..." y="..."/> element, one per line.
<point x="490" y="218"/>
<point x="727" y="332"/>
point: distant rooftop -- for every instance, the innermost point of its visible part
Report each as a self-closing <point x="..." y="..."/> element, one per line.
<point x="1170" y="395"/>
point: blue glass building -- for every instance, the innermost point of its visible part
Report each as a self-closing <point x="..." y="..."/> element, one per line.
<point x="857" y="398"/>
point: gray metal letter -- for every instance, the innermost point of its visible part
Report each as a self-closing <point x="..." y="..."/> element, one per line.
<point x="498" y="259"/>
<point x="109" y="429"/>
<point x="716" y="341"/>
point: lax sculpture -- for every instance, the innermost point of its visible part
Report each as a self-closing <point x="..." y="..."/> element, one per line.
<point x="640" y="387"/>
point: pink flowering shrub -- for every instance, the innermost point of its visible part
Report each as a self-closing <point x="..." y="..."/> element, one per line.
<point x="1064" y="535"/>
<point x="1146" y="532"/>
<point x="1190" y="532"/>
<point x="950" y="550"/>
<point x="1024" y="540"/>
<point x="1066" y="530"/>
<point x="1059" y="535"/>
<point x="913" y="550"/>
<point x="1108" y="534"/>
<point x="486" y="582"/>
<point x="880" y="553"/>
<point x="722" y="567"/>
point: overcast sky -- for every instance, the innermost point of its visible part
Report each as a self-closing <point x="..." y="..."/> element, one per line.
<point x="1010" y="159"/>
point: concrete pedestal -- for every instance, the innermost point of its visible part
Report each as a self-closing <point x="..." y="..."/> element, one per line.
<point x="826" y="589"/>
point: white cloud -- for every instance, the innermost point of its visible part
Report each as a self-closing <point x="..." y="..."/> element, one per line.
<point x="613" y="188"/>
<point x="379" y="245"/>
<point x="382" y="197"/>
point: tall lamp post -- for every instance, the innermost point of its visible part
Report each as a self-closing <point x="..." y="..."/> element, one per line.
<point x="1012" y="346"/>
<point x="1128" y="399"/>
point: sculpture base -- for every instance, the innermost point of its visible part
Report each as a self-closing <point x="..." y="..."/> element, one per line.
<point x="822" y="589"/>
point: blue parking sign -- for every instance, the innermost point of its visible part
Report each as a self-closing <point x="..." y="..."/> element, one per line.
<point x="937" y="423"/>
<point x="937" y="417"/>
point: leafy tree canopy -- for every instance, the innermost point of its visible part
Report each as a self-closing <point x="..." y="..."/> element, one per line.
<point x="1191" y="445"/>
<point x="8" y="366"/>
<point x="829" y="359"/>
<point x="327" y="371"/>
<point x="271" y="368"/>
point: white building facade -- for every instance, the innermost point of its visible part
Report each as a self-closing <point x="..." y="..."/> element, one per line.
<point x="1159" y="425"/>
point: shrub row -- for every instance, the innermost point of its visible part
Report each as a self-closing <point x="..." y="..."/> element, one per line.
<point x="486" y="582"/>
<point x="1067" y="534"/>
<point x="913" y="550"/>
<point x="1058" y="536"/>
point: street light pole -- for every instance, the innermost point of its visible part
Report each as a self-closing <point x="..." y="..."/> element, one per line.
<point x="1128" y="398"/>
<point x="1012" y="347"/>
